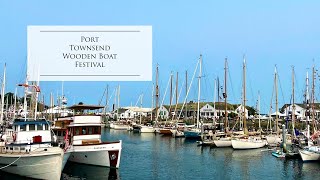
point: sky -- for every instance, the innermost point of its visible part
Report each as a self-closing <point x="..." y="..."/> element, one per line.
<point x="268" y="33"/>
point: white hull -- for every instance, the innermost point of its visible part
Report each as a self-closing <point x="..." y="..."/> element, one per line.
<point x="120" y="127"/>
<point x="65" y="159"/>
<point x="176" y="133"/>
<point x="247" y="143"/>
<point x="310" y="154"/>
<point x="147" y="129"/>
<point x="223" y="142"/>
<point x="273" y="139"/>
<point x="39" y="164"/>
<point x="107" y="154"/>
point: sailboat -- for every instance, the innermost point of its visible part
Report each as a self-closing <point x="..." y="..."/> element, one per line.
<point x="275" y="139"/>
<point x="224" y="141"/>
<point x="310" y="152"/>
<point x="248" y="142"/>
<point x="195" y="131"/>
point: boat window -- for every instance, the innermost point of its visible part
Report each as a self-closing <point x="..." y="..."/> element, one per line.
<point x="90" y="129"/>
<point x="96" y="130"/>
<point x="32" y="127"/>
<point x="77" y="131"/>
<point x="59" y="133"/>
<point x="46" y="127"/>
<point x="39" y="127"/>
<point x="84" y="131"/>
<point x="64" y="133"/>
<point x="23" y="127"/>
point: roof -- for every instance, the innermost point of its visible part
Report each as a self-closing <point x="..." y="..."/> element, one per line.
<point x="30" y="121"/>
<point x="85" y="107"/>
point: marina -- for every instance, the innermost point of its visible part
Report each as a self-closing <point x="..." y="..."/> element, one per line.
<point x="150" y="156"/>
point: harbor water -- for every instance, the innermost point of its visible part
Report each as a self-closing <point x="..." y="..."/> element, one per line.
<point x="152" y="156"/>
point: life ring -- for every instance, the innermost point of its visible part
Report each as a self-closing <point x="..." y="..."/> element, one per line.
<point x="14" y="137"/>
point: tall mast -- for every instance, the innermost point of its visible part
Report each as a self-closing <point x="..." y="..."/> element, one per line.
<point x="2" y="93"/>
<point x="152" y="100"/>
<point x="199" y="90"/>
<point x="118" y="105"/>
<point x="141" y="107"/>
<point x="259" y="109"/>
<point x="313" y="94"/>
<point x="225" y="96"/>
<point x="177" y="78"/>
<point x="245" y="129"/>
<point x="171" y="76"/>
<point x="214" y="102"/>
<point x="157" y="92"/>
<point x="15" y="103"/>
<point x="293" y="105"/>
<point x="276" y="89"/>
<point x="107" y="101"/>
<point x="308" y="108"/>
<point x="25" y="99"/>
<point x="186" y="114"/>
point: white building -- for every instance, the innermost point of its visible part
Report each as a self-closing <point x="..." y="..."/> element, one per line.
<point x="239" y="111"/>
<point x="207" y="111"/>
<point x="163" y="113"/>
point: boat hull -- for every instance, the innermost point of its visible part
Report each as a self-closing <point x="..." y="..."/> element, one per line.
<point x="192" y="134"/>
<point x="166" y="132"/>
<point x="247" y="144"/>
<point x="104" y="154"/>
<point x="120" y="127"/>
<point x="146" y="129"/>
<point x="39" y="164"/>
<point x="310" y="154"/>
<point x="226" y="142"/>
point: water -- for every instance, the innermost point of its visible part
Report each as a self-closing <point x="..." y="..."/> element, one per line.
<point x="150" y="156"/>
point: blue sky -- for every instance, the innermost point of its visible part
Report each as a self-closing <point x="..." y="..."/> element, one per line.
<point x="285" y="33"/>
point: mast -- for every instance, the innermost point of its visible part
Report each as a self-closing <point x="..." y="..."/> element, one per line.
<point x="25" y="99"/>
<point x="245" y="129"/>
<point x="152" y="101"/>
<point x="312" y="104"/>
<point x="157" y="92"/>
<point x="171" y="76"/>
<point x="15" y="103"/>
<point x="276" y="89"/>
<point x="37" y="94"/>
<point x="2" y="93"/>
<point x="199" y="90"/>
<point x="225" y="97"/>
<point x="177" y="78"/>
<point x="107" y="101"/>
<point x="308" y="108"/>
<point x="259" y="110"/>
<point x="214" y="103"/>
<point x="118" y="104"/>
<point x="186" y="114"/>
<point x="141" y="107"/>
<point x="293" y="105"/>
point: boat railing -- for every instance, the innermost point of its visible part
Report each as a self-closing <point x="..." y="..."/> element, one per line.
<point x="19" y="147"/>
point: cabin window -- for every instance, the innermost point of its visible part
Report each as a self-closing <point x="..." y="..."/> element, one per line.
<point x="84" y="131"/>
<point x="46" y="127"/>
<point x="64" y="133"/>
<point x="39" y="127"/>
<point x="96" y="130"/>
<point x="59" y="133"/>
<point x="23" y="127"/>
<point x="77" y="131"/>
<point x="32" y="127"/>
<point x="90" y="130"/>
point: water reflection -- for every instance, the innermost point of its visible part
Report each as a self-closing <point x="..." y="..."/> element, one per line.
<point x="82" y="171"/>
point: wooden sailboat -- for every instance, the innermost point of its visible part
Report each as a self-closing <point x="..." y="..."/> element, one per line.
<point x="224" y="141"/>
<point x="249" y="142"/>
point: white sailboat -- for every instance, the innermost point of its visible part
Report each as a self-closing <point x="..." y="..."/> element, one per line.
<point x="250" y="142"/>
<point x="224" y="141"/>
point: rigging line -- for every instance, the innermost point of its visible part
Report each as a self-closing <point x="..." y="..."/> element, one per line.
<point x="185" y="99"/>
<point x="283" y="101"/>
<point x="230" y="80"/>
<point x="250" y="84"/>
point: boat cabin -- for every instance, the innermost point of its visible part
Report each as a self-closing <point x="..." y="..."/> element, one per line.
<point x="86" y="125"/>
